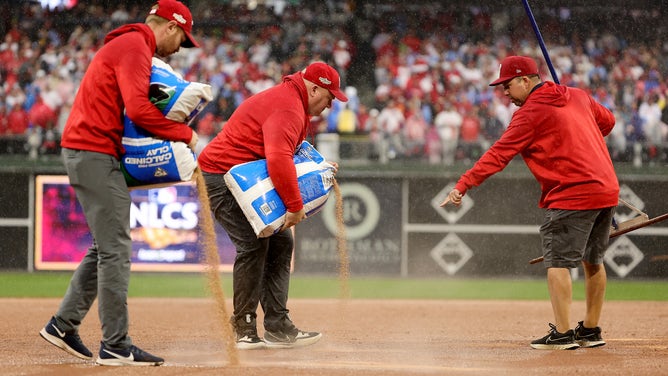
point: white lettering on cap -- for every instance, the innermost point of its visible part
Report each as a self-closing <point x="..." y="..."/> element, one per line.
<point x="325" y="81"/>
<point x="179" y="18"/>
<point x="518" y="71"/>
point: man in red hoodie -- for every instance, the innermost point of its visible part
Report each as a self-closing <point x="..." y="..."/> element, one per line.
<point x="116" y="81"/>
<point x="268" y="125"/>
<point x="559" y="133"/>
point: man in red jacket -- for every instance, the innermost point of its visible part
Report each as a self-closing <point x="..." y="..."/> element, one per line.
<point x="559" y="132"/>
<point x="269" y="125"/>
<point x="116" y="81"/>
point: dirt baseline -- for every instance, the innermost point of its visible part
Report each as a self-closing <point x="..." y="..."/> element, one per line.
<point x="360" y="337"/>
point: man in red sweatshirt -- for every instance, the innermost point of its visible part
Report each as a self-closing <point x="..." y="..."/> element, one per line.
<point x="269" y="125"/>
<point x="116" y="81"/>
<point x="559" y="133"/>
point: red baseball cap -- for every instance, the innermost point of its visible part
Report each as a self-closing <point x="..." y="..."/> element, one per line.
<point x="325" y="76"/>
<point x="173" y="10"/>
<point x="515" y="66"/>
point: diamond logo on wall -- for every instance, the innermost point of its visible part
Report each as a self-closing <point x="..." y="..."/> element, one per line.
<point x="451" y="213"/>
<point x="624" y="213"/>
<point x="451" y="254"/>
<point x="623" y="256"/>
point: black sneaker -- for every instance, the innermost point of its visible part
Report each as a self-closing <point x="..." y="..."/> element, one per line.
<point x="134" y="356"/>
<point x="69" y="342"/>
<point x="556" y="341"/>
<point x="588" y="337"/>
<point x="246" y="333"/>
<point x="249" y="342"/>
<point x="290" y="338"/>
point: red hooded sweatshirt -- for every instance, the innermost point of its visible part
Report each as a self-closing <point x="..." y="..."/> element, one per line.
<point x="116" y="80"/>
<point x="559" y="132"/>
<point x="269" y="125"/>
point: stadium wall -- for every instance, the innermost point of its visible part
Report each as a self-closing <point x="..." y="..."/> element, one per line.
<point x="395" y="227"/>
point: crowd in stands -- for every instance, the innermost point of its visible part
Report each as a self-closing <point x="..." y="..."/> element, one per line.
<point x="420" y="74"/>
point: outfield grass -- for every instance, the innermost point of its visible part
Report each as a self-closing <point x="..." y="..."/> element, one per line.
<point x="177" y="285"/>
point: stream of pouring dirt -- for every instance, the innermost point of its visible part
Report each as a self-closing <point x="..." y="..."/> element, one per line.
<point x="212" y="267"/>
<point x="342" y="247"/>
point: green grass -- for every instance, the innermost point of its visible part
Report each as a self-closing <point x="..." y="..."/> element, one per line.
<point x="176" y="285"/>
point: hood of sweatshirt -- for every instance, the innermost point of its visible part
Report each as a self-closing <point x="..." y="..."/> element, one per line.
<point x="550" y="94"/>
<point x="133" y="28"/>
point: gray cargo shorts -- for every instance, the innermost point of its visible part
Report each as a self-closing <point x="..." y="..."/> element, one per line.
<point x="571" y="236"/>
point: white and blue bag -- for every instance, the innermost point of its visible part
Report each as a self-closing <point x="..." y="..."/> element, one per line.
<point x="150" y="161"/>
<point x="253" y="189"/>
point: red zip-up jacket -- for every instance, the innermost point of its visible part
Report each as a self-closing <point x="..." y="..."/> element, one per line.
<point x="559" y="132"/>
<point x="268" y="125"/>
<point x="116" y="80"/>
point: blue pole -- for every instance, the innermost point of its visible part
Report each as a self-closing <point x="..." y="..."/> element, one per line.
<point x="540" y="41"/>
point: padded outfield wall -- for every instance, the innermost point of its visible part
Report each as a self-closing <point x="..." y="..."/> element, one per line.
<point x="395" y="227"/>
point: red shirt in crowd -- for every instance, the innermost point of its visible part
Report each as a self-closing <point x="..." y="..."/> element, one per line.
<point x="17" y="120"/>
<point x="559" y="133"/>
<point x="268" y="125"/>
<point x="470" y="128"/>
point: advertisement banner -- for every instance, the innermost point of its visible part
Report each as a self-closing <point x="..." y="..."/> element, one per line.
<point x="372" y="222"/>
<point x="164" y="226"/>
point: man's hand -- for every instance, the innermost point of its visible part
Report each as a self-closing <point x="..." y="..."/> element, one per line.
<point x="454" y="197"/>
<point x="193" y="141"/>
<point x="335" y="165"/>
<point x="292" y="218"/>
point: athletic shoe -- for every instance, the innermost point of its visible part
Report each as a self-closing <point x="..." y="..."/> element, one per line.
<point x="556" y="341"/>
<point x="246" y="333"/>
<point x="134" y="356"/>
<point x="291" y="338"/>
<point x="588" y="337"/>
<point x="249" y="341"/>
<point x="69" y="342"/>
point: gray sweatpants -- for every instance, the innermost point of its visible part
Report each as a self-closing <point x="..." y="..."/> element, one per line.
<point x="105" y="270"/>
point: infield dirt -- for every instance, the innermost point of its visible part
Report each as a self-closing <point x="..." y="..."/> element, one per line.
<point x="360" y="337"/>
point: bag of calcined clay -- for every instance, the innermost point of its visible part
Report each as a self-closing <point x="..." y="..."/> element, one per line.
<point x="150" y="161"/>
<point x="254" y="191"/>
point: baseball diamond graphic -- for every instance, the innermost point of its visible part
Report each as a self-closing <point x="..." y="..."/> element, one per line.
<point x="623" y="256"/>
<point x="451" y="254"/>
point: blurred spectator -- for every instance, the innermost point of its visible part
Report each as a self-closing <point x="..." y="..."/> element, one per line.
<point x="433" y="146"/>
<point x="206" y="130"/>
<point x="376" y="137"/>
<point x="332" y="116"/>
<point x="391" y="123"/>
<point x="469" y="136"/>
<point x="346" y="120"/>
<point x="4" y="121"/>
<point x="448" y="122"/>
<point x="342" y="59"/>
<point x="492" y="128"/>
<point x="17" y="120"/>
<point x="362" y="119"/>
<point x="616" y="140"/>
<point x="415" y="130"/>
<point x="41" y="115"/>
<point x="654" y="129"/>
